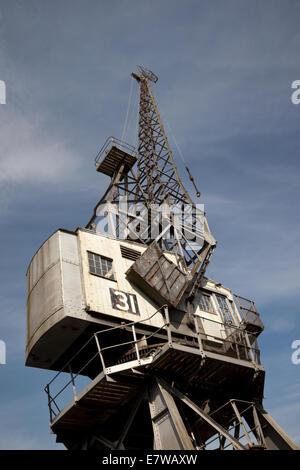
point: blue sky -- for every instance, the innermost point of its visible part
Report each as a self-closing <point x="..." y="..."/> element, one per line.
<point x="225" y="72"/>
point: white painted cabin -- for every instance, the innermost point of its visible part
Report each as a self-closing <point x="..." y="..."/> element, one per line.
<point x="77" y="282"/>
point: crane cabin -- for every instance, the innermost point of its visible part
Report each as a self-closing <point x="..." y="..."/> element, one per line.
<point x="82" y="281"/>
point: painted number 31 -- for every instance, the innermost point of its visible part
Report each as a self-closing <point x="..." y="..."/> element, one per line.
<point x="123" y="301"/>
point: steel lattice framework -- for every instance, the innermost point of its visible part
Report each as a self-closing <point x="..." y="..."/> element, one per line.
<point x="156" y="169"/>
<point x="156" y="183"/>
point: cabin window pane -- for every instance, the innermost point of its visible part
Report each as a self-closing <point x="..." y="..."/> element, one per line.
<point x="100" y="265"/>
<point x="205" y="303"/>
<point x="225" y="309"/>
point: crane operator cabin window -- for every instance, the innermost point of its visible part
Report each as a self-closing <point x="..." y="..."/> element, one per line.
<point x="101" y="266"/>
<point x="205" y="303"/>
<point x="225" y="309"/>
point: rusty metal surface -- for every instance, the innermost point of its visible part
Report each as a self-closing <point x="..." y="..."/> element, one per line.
<point x="161" y="278"/>
<point x="250" y="317"/>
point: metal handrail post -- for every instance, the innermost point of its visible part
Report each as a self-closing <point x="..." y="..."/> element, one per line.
<point x="100" y="353"/>
<point x="200" y="343"/>
<point x="135" y="343"/>
<point x="250" y="348"/>
<point x="169" y="333"/>
<point x="73" y="383"/>
<point x="49" y="402"/>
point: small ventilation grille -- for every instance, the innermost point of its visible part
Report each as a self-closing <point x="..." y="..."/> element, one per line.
<point x="129" y="253"/>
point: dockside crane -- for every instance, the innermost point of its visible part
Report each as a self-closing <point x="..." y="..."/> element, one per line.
<point x="148" y="352"/>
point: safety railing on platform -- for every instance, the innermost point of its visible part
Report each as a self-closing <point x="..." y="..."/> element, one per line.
<point x="250" y="317"/>
<point x="95" y="356"/>
<point x="67" y="372"/>
<point x="227" y="339"/>
<point x="113" y="141"/>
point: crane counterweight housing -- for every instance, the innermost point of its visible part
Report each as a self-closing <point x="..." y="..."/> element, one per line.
<point x="147" y="351"/>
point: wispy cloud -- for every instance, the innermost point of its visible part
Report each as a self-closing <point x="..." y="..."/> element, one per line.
<point x="30" y="156"/>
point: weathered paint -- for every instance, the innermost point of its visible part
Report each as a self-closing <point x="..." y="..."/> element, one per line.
<point x="64" y="298"/>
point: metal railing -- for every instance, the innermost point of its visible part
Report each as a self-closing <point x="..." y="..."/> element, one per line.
<point x="54" y="408"/>
<point x="248" y="312"/>
<point x="113" y="141"/>
<point x="252" y="436"/>
<point x="229" y="340"/>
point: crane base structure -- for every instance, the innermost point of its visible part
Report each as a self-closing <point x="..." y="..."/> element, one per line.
<point x="135" y="405"/>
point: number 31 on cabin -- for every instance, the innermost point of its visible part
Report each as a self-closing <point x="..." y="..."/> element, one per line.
<point x="123" y="301"/>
